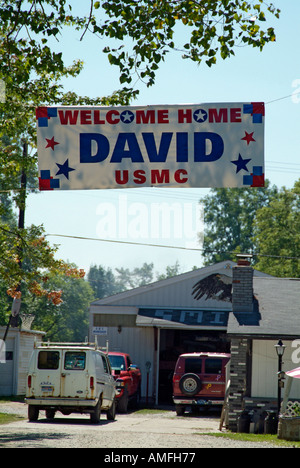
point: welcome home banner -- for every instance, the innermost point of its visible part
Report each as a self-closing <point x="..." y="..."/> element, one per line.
<point x="201" y="145"/>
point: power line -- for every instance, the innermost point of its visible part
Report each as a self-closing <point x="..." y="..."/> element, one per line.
<point x="285" y="257"/>
<point x="283" y="97"/>
<point x="124" y="242"/>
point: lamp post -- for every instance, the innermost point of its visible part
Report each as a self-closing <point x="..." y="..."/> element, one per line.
<point x="280" y="348"/>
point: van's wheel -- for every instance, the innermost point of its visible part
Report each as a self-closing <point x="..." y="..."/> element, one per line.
<point x="33" y="413"/>
<point x="111" y="413"/>
<point x="190" y="384"/>
<point x="50" y="413"/>
<point x="123" y="402"/>
<point x="96" y="414"/>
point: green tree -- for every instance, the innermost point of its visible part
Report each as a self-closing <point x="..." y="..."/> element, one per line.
<point x="102" y="281"/>
<point x="5" y="304"/>
<point x="105" y="282"/>
<point x="139" y="276"/>
<point x="277" y="234"/>
<point x="228" y="217"/>
<point x="142" y="33"/>
<point x="212" y="29"/>
<point x="70" y="320"/>
<point x="171" y="270"/>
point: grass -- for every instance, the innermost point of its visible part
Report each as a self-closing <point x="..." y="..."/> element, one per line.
<point x="6" y="418"/>
<point x="258" y="438"/>
<point x="17" y="398"/>
<point x="150" y="411"/>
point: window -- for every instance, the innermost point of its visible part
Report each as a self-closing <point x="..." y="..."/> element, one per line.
<point x="98" y="362"/>
<point x="48" y="360"/>
<point x="117" y="362"/>
<point x="193" y="365"/>
<point x="75" y="360"/>
<point x="105" y="365"/>
<point x="9" y="355"/>
<point x="213" y="366"/>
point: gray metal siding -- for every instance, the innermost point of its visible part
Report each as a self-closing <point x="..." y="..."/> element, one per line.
<point x="138" y="342"/>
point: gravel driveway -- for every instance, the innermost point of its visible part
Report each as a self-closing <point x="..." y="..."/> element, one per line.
<point x="162" y="430"/>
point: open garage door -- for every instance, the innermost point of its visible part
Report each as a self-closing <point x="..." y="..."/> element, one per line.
<point x="176" y="342"/>
<point x="181" y="331"/>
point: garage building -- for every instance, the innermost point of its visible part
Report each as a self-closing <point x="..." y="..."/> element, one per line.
<point x="158" y="322"/>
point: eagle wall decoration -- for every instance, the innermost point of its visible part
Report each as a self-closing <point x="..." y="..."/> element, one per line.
<point x="215" y="286"/>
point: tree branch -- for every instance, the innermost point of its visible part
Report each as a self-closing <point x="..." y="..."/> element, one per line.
<point x="88" y="23"/>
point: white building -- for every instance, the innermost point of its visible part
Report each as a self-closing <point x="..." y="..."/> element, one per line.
<point x="14" y="359"/>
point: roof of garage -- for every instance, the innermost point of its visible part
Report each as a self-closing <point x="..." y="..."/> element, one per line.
<point x="172" y="303"/>
<point x="171" y="292"/>
<point x="277" y="310"/>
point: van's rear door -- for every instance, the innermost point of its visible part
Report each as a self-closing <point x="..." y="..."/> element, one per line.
<point x="74" y="374"/>
<point x="47" y="377"/>
<point x="213" y="378"/>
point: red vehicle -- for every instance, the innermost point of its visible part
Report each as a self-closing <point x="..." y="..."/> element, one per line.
<point x="128" y="378"/>
<point x="199" y="380"/>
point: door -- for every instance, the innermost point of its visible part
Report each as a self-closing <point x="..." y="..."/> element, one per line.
<point x="46" y="379"/>
<point x="74" y="377"/>
<point x="213" y="378"/>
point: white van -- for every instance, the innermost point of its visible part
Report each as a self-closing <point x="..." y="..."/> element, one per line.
<point x="70" y="378"/>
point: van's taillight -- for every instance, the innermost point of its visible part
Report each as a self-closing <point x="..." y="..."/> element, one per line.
<point x="176" y="378"/>
<point x="29" y="381"/>
<point x="91" y="382"/>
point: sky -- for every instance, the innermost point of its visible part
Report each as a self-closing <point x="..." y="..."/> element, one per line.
<point x="90" y="218"/>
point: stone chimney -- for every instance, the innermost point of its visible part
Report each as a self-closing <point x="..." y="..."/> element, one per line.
<point x="242" y="285"/>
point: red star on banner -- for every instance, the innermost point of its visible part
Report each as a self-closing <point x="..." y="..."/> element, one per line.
<point x="51" y="143"/>
<point x="248" y="137"/>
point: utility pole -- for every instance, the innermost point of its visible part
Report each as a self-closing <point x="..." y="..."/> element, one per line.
<point x="21" y="223"/>
<point x="13" y="318"/>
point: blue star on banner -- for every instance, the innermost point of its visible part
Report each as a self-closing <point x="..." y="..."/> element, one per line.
<point x="200" y="115"/>
<point x="127" y="116"/>
<point x="241" y="164"/>
<point x="64" y="169"/>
